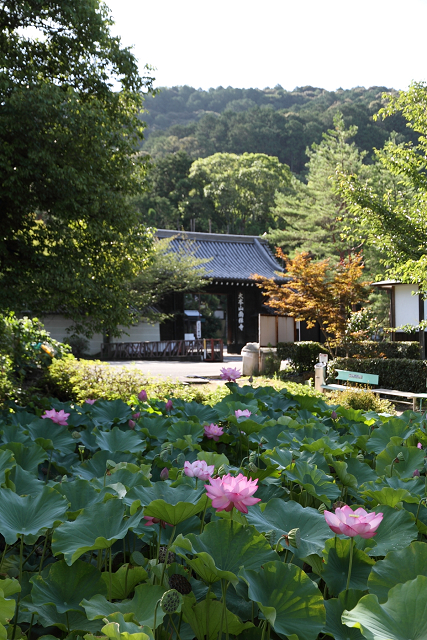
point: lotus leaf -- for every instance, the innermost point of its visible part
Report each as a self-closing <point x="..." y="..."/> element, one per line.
<point x="141" y="606"/>
<point x="173" y="505"/>
<point x="196" y="615"/>
<point x="398" y="567"/>
<point x="289" y="600"/>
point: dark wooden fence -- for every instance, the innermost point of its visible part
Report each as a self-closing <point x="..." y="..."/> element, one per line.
<point x="209" y="349"/>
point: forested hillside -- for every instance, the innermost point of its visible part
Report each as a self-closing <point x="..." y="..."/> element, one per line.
<point x="271" y="121"/>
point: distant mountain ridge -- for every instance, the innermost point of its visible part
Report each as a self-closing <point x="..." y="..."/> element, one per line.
<point x="272" y="121"/>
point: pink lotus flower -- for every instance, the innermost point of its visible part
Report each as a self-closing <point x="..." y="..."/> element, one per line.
<point x="169" y="405"/>
<point x="60" y="417"/>
<point x="199" y="469"/>
<point x="151" y="521"/>
<point x="213" y="432"/>
<point x="242" y="413"/>
<point x="136" y="415"/>
<point x="142" y="396"/>
<point x="229" y="491"/>
<point x="353" y="523"/>
<point x="229" y="374"/>
<point x="164" y="473"/>
<point x="90" y="401"/>
<point x="419" y="445"/>
<point x="131" y="424"/>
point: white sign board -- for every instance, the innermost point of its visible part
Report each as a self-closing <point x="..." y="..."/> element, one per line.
<point x="198" y="329"/>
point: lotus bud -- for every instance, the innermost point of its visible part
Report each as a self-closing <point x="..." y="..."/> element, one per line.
<point x="294" y="538"/>
<point x="142" y="396"/>
<point x="169" y="405"/>
<point x="321" y="508"/>
<point x="416" y="473"/>
<point x="164" y="473"/>
<point x="334" y="415"/>
<point x="171" y="601"/>
<point x="131" y="424"/>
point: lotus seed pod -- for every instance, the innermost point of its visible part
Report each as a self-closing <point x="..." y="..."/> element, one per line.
<point x="162" y="555"/>
<point x="360" y="457"/>
<point x="252" y="456"/>
<point x="171" y="601"/>
<point x="164" y="455"/>
<point x="321" y="508"/>
<point x="271" y="536"/>
<point x="180" y="460"/>
<point x="401" y="457"/>
<point x="222" y="470"/>
<point x="251" y="467"/>
<point x="180" y="583"/>
<point x="294" y="537"/>
<point x="76" y="435"/>
<point x="110" y="464"/>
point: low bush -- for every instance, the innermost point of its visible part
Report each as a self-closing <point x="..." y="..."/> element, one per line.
<point x="394" y="373"/>
<point x="75" y="380"/>
<point x="371" y="349"/>
<point x="303" y="355"/>
<point x="362" y="399"/>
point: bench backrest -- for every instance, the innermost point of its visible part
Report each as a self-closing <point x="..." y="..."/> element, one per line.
<point x="354" y="376"/>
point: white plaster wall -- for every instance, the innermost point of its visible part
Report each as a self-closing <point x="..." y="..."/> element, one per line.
<point x="406" y="305"/>
<point x="57" y="326"/>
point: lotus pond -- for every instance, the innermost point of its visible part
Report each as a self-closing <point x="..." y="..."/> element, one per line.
<point x="109" y="530"/>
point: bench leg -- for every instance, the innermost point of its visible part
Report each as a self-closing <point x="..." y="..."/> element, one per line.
<point x="414" y="404"/>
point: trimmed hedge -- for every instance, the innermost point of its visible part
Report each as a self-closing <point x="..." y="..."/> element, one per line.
<point x="371" y="349"/>
<point x="303" y="355"/>
<point x="394" y="373"/>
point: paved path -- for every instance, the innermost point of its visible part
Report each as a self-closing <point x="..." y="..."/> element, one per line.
<point x="179" y="369"/>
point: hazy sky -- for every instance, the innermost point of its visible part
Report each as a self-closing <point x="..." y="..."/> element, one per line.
<point x="243" y="43"/>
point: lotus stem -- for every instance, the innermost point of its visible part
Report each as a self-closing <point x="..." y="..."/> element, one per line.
<point x="3" y="556"/>
<point x="350" y="564"/>
<point x="48" y="467"/>
<point x="175" y="629"/>
<point x="208" y="601"/>
<point x="21" y="555"/>
<point x="202" y="526"/>
<point x="167" y="554"/>
<point x="224" y="587"/>
<point x="110" y="582"/>
<point x="155" y="617"/>
<point x="31" y="626"/>
<point x="44" y="551"/>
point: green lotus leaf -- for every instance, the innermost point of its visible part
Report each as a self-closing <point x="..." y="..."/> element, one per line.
<point x="202" y="413"/>
<point x="49" y="435"/>
<point x="196" y="614"/>
<point x="290" y="601"/>
<point x="312" y="404"/>
<point x="398" y="567"/>
<point x="108" y="412"/>
<point x="81" y="494"/>
<point x="14" y="433"/>
<point x="269" y="435"/>
<point x="23" y="482"/>
<point x="9" y="587"/>
<point x="223" y="549"/>
<point x="341" y="469"/>
<point x="279" y="457"/>
<point x="413" y="459"/>
<point x="337" y="559"/>
<point x="396" y="531"/>
<point x="49" y="616"/>
<point x="95" y="528"/>
<point x="141" y="606"/>
<point x="123" y="581"/>
<point x="334" y="610"/>
<point x="381" y="437"/>
<point x="173" y="505"/>
<point x="130" y="476"/>
<point x="210" y="457"/>
<point x="65" y="586"/>
<point x="7" y="462"/>
<point x="420" y="513"/>
<point x="254" y="424"/>
<point x="7" y="609"/>
<point x="28" y="457"/>
<point x="189" y="432"/>
<point x="402" y="617"/>
<point x="314" y="481"/>
<point x="28" y="515"/>
<point x="155" y="427"/>
<point x="388" y="496"/>
<point x="329" y="446"/>
<point x="283" y="516"/>
<point x="97" y="465"/>
<point x="119" y="629"/>
<point x="118" y="440"/>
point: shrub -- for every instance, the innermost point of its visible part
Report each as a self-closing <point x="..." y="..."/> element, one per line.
<point x="361" y="399"/>
<point x="303" y="355"/>
<point x="75" y="380"/>
<point x="394" y="373"/>
<point x="371" y="349"/>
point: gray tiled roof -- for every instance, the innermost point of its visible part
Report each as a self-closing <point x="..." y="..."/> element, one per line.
<point x="233" y="257"/>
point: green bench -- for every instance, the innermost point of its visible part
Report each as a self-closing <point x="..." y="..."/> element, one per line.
<point x="369" y="379"/>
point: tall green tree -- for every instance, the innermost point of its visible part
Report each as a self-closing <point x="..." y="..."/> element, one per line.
<point x="392" y="211"/>
<point x="70" y="96"/>
<point x="313" y="216"/>
<point x="242" y="189"/>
